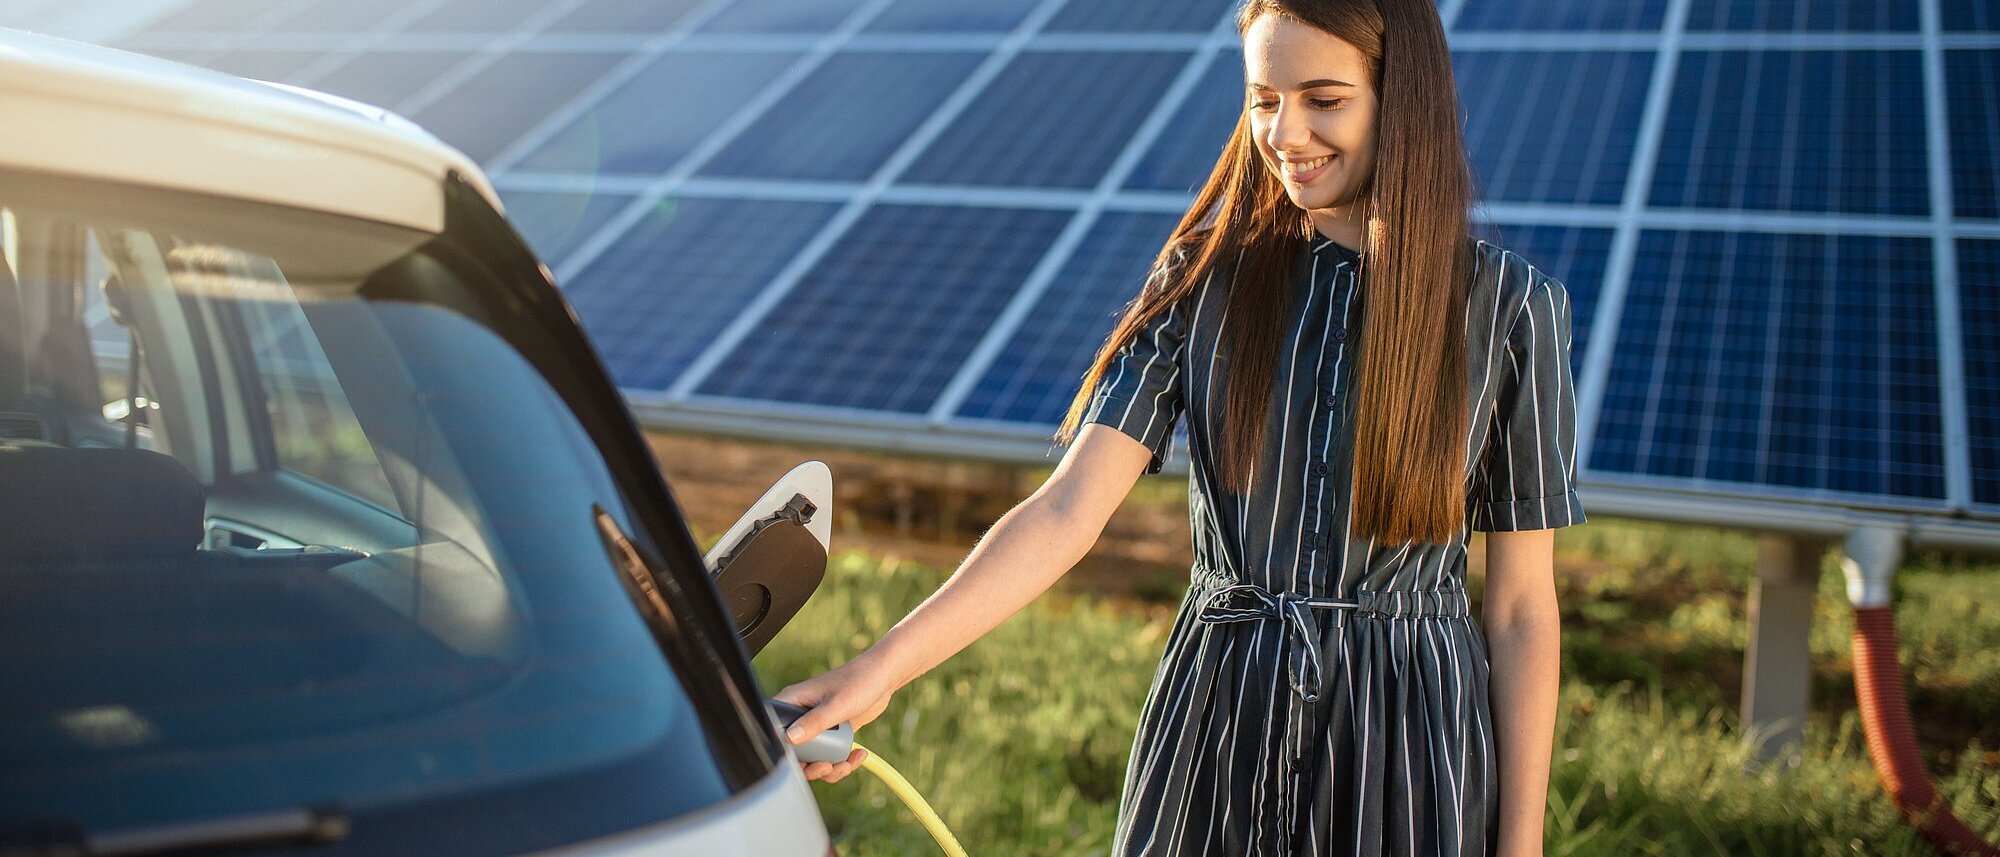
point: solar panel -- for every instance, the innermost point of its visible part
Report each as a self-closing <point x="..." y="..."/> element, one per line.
<point x="350" y="17"/>
<point x="1970" y="15"/>
<point x="477" y="16"/>
<point x="1552" y="127"/>
<point x="651" y="121"/>
<point x="1803" y="15"/>
<point x="555" y="222"/>
<point x="207" y="16"/>
<point x="1973" y="93"/>
<point x="1049" y="102"/>
<point x="1979" y="319"/>
<point x="686" y="268"/>
<point x="1159" y="16"/>
<point x="869" y="100"/>
<point x="1034" y="376"/>
<point x="921" y="16"/>
<point x="1181" y="160"/>
<point x="782" y="16"/>
<point x="930" y="210"/>
<point x="1791" y="361"/>
<point x="1796" y="131"/>
<point x="386" y="79"/>
<point x="1575" y="256"/>
<point x="1561" y="15"/>
<point x="278" y="66"/>
<point x="503" y="101"/>
<point x="623" y="16"/>
<point x="871" y="327"/>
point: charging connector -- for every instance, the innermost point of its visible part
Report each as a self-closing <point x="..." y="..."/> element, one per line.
<point x="835" y="744"/>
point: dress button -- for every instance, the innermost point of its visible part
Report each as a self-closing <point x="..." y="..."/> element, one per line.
<point x="1340" y="334"/>
<point x="1332" y="400"/>
<point x="1319" y="468"/>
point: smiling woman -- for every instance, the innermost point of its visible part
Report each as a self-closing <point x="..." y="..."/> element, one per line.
<point x="1364" y="386"/>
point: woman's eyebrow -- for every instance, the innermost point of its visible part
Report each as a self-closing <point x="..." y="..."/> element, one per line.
<point x="1310" y="84"/>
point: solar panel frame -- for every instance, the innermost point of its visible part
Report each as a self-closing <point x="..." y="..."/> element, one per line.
<point x="1600" y="227"/>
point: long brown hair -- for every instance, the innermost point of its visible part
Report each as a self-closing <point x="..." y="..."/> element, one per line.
<point x="1410" y="388"/>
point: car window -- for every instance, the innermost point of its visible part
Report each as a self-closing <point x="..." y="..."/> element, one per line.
<point x="340" y="544"/>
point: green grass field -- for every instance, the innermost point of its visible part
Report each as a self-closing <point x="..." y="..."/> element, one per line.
<point x="1021" y="740"/>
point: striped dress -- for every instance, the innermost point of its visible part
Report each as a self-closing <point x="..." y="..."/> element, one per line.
<point x="1321" y="694"/>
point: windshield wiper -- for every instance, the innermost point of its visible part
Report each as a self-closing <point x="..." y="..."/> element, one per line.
<point x="320" y="825"/>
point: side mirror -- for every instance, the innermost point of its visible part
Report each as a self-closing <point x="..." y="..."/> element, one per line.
<point x="769" y="563"/>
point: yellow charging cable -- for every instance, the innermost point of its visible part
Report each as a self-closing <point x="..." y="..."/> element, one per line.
<point x="873" y="764"/>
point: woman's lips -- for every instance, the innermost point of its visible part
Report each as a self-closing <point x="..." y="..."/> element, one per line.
<point x="1306" y="176"/>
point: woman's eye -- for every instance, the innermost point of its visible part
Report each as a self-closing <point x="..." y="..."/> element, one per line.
<point x="1263" y="105"/>
<point x="1328" y="103"/>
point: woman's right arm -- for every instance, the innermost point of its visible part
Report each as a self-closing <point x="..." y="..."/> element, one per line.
<point x="1023" y="554"/>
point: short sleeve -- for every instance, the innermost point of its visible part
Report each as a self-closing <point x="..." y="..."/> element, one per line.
<point x="1529" y="482"/>
<point x="1139" y="393"/>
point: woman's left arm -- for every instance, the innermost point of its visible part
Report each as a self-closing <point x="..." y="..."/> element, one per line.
<point x="1523" y="636"/>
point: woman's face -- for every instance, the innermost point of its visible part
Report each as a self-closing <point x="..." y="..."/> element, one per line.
<point x="1312" y="110"/>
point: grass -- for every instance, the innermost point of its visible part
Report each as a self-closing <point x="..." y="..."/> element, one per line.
<point x="1021" y="740"/>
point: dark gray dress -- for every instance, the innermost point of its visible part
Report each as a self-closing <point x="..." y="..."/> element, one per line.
<point x="1321" y="694"/>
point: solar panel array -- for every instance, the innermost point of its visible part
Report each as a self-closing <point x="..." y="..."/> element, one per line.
<point x="911" y="222"/>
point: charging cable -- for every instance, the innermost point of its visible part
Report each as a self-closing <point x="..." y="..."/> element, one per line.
<point x="835" y="744"/>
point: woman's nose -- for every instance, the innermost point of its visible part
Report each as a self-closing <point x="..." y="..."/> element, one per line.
<point x="1288" y="127"/>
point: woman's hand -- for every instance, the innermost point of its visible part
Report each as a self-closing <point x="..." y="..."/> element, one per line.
<point x="857" y="692"/>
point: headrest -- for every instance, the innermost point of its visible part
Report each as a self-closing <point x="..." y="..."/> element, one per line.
<point x="58" y="503"/>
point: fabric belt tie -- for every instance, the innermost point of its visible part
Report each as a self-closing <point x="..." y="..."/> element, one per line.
<point x="1246" y="602"/>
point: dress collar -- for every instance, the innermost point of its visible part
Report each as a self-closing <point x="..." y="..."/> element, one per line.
<point x="1328" y="247"/>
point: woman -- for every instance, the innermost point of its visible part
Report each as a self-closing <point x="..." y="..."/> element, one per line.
<point x="1364" y="384"/>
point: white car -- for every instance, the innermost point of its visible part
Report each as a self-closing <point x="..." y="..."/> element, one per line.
<point x="320" y="520"/>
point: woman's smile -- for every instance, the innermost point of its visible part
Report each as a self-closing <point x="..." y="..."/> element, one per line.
<point x="1303" y="172"/>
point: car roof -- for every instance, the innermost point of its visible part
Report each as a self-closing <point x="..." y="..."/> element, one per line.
<point x="95" y="112"/>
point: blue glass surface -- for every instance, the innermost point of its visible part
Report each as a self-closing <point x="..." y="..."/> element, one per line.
<point x="846" y="118"/>
<point x="500" y="103"/>
<point x="1979" y="325"/>
<point x="341" y="16"/>
<point x="276" y="66"/>
<point x="781" y="16"/>
<point x="624" y="16"/>
<point x="478" y="16"/>
<point x="212" y="16"/>
<point x="1970" y="14"/>
<point x="655" y="298"/>
<point x="1972" y="89"/>
<point x="386" y="79"/>
<point x="1803" y="361"/>
<point x="1051" y="119"/>
<point x="1803" y="15"/>
<point x="1034" y="377"/>
<point x="1574" y="255"/>
<point x="1817" y="130"/>
<point x="1552" y="127"/>
<point x="1561" y="15"/>
<point x="886" y="318"/>
<point x="554" y="223"/>
<point x="650" y="122"/>
<point x="1192" y="16"/>
<point x="919" y="16"/>
<point x="1184" y="154"/>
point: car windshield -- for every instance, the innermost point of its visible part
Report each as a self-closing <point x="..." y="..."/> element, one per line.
<point x="273" y="541"/>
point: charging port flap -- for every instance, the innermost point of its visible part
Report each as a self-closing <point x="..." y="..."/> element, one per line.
<point x="769" y="564"/>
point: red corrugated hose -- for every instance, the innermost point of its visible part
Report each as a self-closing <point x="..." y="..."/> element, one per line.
<point x="1892" y="742"/>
